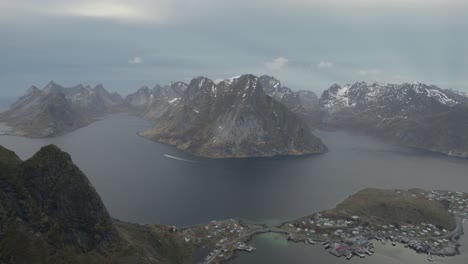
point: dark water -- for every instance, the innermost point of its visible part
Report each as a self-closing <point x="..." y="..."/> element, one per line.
<point x="139" y="184"/>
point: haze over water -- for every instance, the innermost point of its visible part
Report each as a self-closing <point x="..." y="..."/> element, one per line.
<point x="138" y="183"/>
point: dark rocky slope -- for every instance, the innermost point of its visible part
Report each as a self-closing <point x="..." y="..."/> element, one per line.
<point x="50" y="213"/>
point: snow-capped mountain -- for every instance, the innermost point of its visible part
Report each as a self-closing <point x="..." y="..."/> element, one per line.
<point x="234" y="118"/>
<point x="413" y="114"/>
<point x="55" y="109"/>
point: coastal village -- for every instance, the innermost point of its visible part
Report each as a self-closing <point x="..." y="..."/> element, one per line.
<point x="221" y="238"/>
<point x="353" y="237"/>
<point x="346" y="237"/>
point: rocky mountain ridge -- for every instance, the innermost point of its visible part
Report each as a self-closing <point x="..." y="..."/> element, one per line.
<point x="55" y="110"/>
<point x="234" y="118"/>
<point x="412" y="114"/>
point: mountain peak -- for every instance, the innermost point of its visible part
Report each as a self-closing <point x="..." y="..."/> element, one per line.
<point x="8" y="157"/>
<point x="52" y="152"/>
<point x="143" y="89"/>
<point x="33" y="90"/>
<point x="65" y="195"/>
<point x="52" y="87"/>
<point x="51" y="83"/>
<point x="335" y="86"/>
<point x="99" y="87"/>
<point x="200" y="83"/>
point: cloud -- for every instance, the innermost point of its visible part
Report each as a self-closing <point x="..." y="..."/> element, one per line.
<point x="105" y="10"/>
<point x="325" y="65"/>
<point x="136" y="60"/>
<point x="277" y="64"/>
<point x="368" y="72"/>
<point x="161" y="11"/>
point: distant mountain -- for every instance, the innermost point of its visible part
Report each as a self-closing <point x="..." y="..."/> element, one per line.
<point x="413" y="114"/>
<point x="151" y="104"/>
<point x="50" y="213"/>
<point x="303" y="103"/>
<point x="234" y="118"/>
<point x="55" y="110"/>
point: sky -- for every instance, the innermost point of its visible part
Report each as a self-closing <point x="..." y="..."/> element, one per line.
<point x="307" y="44"/>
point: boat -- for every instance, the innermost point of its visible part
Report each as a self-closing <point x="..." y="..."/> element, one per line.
<point x="177" y="158"/>
<point x="359" y="254"/>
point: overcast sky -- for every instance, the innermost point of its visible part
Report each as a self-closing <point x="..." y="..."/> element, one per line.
<point x="308" y="44"/>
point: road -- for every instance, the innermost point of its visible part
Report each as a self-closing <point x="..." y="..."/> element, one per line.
<point x="244" y="237"/>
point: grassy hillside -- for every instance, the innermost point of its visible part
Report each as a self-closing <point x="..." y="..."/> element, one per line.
<point x="395" y="207"/>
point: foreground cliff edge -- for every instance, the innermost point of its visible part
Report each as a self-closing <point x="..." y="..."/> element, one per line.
<point x="50" y="213"/>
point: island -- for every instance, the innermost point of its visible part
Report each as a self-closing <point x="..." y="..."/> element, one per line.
<point x="233" y="119"/>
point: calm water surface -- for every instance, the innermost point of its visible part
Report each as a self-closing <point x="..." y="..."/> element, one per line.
<point x="138" y="183"/>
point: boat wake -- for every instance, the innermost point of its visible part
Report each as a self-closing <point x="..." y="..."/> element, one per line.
<point x="177" y="158"/>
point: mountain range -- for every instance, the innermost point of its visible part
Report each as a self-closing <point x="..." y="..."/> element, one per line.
<point x="56" y="110"/>
<point x="240" y="116"/>
<point x="411" y="114"/>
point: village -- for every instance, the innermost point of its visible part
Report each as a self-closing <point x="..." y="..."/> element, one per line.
<point x="350" y="237"/>
<point x="342" y="237"/>
<point x="222" y="238"/>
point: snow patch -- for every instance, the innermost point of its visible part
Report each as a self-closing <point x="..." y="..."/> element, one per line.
<point x="174" y="100"/>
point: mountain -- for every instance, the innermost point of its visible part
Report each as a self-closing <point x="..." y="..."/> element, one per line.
<point x="48" y="204"/>
<point x="55" y="110"/>
<point x="50" y="213"/>
<point x="140" y="99"/>
<point x="234" y="118"/>
<point x="303" y="103"/>
<point x="151" y="104"/>
<point x="412" y="114"/>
